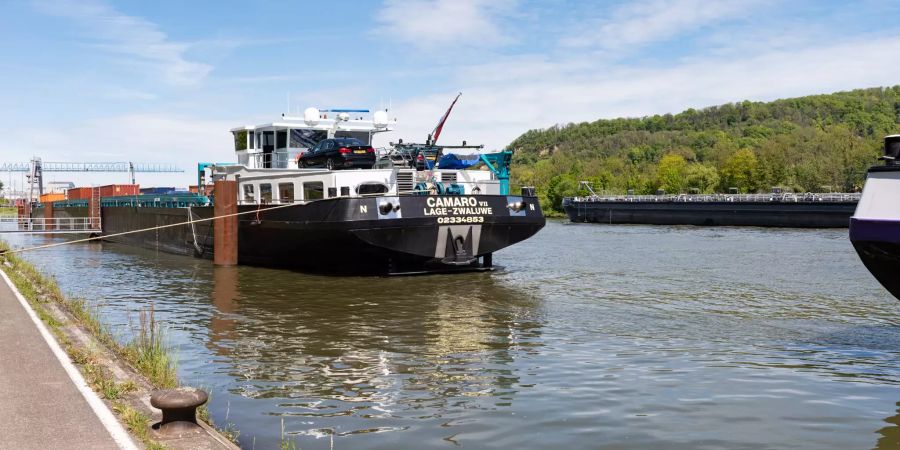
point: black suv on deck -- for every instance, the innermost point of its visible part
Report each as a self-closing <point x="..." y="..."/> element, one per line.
<point x="339" y="153"/>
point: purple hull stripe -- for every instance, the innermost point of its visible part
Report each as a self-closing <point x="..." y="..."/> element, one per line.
<point x="874" y="230"/>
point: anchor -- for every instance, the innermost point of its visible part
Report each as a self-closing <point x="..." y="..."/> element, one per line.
<point x="458" y="251"/>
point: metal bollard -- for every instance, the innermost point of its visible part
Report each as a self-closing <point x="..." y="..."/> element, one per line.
<point x="179" y="408"/>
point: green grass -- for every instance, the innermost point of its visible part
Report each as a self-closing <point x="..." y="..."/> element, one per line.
<point x="138" y="424"/>
<point x="149" y="352"/>
<point x="8" y="211"/>
<point x="286" y="444"/>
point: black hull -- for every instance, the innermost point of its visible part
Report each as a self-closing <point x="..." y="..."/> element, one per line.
<point x="342" y="235"/>
<point x="761" y="214"/>
<point x="878" y="244"/>
<point x="883" y="261"/>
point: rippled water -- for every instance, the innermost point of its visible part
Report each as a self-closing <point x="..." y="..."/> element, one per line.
<point x="593" y="336"/>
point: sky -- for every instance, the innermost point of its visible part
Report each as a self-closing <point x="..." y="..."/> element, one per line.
<point x="164" y="81"/>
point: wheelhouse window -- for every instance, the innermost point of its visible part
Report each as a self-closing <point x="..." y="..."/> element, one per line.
<point x="286" y="192"/>
<point x="313" y="190"/>
<point x="265" y="193"/>
<point x="248" y="193"/>
<point x="281" y="139"/>
<point x="252" y="139"/>
<point x="268" y="141"/>
<point x="240" y="140"/>
<point x="302" y="138"/>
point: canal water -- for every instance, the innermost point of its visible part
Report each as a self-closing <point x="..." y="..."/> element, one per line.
<point x="593" y="336"/>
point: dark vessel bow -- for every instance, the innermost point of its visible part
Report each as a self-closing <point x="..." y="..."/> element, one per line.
<point x="875" y="226"/>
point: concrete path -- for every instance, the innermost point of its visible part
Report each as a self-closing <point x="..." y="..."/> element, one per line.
<point x="42" y="404"/>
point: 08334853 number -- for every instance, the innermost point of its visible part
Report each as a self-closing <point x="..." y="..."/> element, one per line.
<point x="459" y="219"/>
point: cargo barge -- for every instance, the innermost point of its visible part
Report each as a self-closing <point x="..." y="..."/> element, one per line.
<point x="758" y="210"/>
<point x="393" y="219"/>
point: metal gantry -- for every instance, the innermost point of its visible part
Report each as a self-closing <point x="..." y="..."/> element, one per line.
<point x="35" y="169"/>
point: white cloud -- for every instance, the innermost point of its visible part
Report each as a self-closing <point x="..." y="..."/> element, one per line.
<point x="496" y="110"/>
<point x="140" y="41"/>
<point x="645" y="21"/>
<point x="428" y="23"/>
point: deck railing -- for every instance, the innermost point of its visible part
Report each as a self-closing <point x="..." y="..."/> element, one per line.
<point x="49" y="225"/>
<point x="739" y="198"/>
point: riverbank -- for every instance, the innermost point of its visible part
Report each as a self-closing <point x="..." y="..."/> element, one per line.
<point x="122" y="374"/>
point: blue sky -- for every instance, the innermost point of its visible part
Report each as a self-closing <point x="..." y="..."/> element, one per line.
<point x="163" y="81"/>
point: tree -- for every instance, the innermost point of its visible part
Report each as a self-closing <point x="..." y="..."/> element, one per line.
<point x="703" y="178"/>
<point x="671" y="173"/>
<point x="560" y="186"/>
<point x="740" y="171"/>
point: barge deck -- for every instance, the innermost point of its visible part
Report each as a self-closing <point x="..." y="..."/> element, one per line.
<point x="761" y="210"/>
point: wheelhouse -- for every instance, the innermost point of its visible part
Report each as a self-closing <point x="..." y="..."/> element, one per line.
<point x="277" y="145"/>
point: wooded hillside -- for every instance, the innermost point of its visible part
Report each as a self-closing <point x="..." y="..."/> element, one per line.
<point x="808" y="144"/>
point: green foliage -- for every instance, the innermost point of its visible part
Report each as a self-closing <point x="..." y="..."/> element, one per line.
<point x="703" y="178"/>
<point x="672" y="173"/>
<point x="740" y="171"/>
<point x="803" y="144"/>
<point x="559" y="187"/>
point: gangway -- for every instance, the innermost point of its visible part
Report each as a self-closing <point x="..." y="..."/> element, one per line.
<point x="55" y="225"/>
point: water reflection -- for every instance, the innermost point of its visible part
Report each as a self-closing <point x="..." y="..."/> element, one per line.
<point x="368" y="348"/>
<point x="890" y="435"/>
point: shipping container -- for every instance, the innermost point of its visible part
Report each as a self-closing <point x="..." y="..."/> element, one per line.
<point x="113" y="190"/>
<point x="157" y="190"/>
<point x="52" y="197"/>
<point x="79" y="193"/>
<point x="194" y="189"/>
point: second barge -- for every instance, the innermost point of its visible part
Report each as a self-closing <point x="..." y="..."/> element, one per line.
<point x="759" y="210"/>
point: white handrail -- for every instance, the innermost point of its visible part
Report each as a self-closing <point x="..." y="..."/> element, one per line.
<point x="740" y="198"/>
<point x="53" y="224"/>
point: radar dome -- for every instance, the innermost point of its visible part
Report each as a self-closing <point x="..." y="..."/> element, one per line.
<point x="380" y="118"/>
<point x="311" y="116"/>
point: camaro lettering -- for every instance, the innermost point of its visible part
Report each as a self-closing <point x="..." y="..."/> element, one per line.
<point x="443" y="202"/>
<point x="456" y="206"/>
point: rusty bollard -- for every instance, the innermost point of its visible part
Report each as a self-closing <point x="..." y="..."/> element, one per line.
<point x="179" y="408"/>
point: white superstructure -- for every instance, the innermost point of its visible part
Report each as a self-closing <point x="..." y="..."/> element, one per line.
<point x="267" y="170"/>
<point x="276" y="145"/>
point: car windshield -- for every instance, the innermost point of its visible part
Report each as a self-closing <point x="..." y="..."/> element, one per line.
<point x="348" y="142"/>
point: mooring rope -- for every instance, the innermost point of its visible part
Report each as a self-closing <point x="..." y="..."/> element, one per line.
<point x="143" y="230"/>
